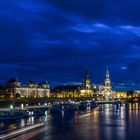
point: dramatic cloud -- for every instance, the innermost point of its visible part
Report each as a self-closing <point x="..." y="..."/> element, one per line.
<point x="57" y="40"/>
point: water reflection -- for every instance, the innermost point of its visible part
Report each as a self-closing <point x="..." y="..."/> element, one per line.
<point x="30" y="120"/>
<point x="22" y="123"/>
<point x="108" y="122"/>
<point x="10" y="125"/>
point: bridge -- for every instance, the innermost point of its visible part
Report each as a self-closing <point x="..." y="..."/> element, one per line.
<point x="75" y="103"/>
<point x="40" y="103"/>
<point x="108" y="102"/>
<point x="46" y="106"/>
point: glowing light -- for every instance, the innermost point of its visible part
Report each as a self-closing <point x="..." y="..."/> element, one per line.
<point x="22" y="106"/>
<point x="46" y="112"/>
<point x="11" y="106"/>
<point x="62" y="113"/>
<point x="22" y="123"/>
<point x="32" y="120"/>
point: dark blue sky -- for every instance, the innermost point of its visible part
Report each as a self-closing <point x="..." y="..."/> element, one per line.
<point x="57" y="39"/>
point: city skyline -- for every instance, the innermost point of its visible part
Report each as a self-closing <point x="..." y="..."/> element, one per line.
<point x="70" y="69"/>
<point x="57" y="40"/>
<point x="126" y="86"/>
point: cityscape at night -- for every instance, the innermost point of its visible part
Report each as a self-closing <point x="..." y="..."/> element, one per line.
<point x="69" y="69"/>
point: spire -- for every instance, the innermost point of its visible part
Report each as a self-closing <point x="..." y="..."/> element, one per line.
<point x="107" y="70"/>
<point x="16" y="79"/>
<point x="107" y="80"/>
<point x="87" y="76"/>
<point x="87" y="73"/>
<point x="107" y="73"/>
<point x="87" y="82"/>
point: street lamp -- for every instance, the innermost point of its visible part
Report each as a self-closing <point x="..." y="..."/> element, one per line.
<point x="11" y="106"/>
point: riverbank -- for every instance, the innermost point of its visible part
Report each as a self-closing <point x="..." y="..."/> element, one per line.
<point x="6" y="103"/>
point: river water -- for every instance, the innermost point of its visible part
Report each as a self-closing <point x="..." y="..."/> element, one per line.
<point x="105" y="122"/>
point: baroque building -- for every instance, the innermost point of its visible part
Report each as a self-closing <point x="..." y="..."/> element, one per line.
<point x="82" y="90"/>
<point x="106" y="89"/>
<point x="85" y="89"/>
<point x="66" y="91"/>
<point x="107" y="82"/>
<point x="31" y="89"/>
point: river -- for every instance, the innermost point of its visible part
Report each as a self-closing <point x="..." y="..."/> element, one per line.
<point x="105" y="122"/>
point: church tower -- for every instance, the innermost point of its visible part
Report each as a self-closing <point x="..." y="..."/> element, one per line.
<point x="87" y="82"/>
<point x="107" y="92"/>
<point x="107" y="81"/>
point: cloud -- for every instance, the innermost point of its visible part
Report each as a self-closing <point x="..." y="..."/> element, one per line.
<point x="57" y="40"/>
<point x="132" y="29"/>
<point x="124" y="68"/>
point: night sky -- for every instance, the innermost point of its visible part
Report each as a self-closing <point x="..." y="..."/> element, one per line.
<point x="56" y="40"/>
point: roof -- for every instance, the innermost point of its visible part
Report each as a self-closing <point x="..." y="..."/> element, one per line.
<point x="31" y="82"/>
<point x="12" y="80"/>
<point x="43" y="83"/>
<point x="67" y="88"/>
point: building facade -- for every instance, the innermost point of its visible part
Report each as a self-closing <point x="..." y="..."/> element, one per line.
<point x="121" y="95"/>
<point x="83" y="90"/>
<point x="66" y="91"/>
<point x="106" y="90"/>
<point x="30" y="90"/>
<point x="86" y="88"/>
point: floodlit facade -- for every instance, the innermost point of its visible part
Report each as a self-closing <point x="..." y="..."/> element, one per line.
<point x="136" y="93"/>
<point x="86" y="88"/>
<point x="121" y="94"/>
<point x="66" y="91"/>
<point x="106" y="89"/>
<point x="30" y="90"/>
<point x="83" y="90"/>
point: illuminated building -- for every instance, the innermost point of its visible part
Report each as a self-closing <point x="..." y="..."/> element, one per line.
<point x="87" y="83"/>
<point x="121" y="95"/>
<point x="30" y="90"/>
<point x="136" y="93"/>
<point x="66" y="91"/>
<point x="106" y="89"/>
<point x="83" y="90"/>
<point x="107" y="82"/>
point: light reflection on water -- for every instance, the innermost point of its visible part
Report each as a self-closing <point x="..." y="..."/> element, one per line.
<point x="22" y="123"/>
<point x="8" y="126"/>
<point x="108" y="122"/>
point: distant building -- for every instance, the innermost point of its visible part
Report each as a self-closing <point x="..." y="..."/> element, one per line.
<point x="121" y="94"/>
<point x="67" y="91"/>
<point x="86" y="89"/>
<point x="136" y="93"/>
<point x="31" y="89"/>
<point x="106" y="89"/>
<point x="83" y="90"/>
